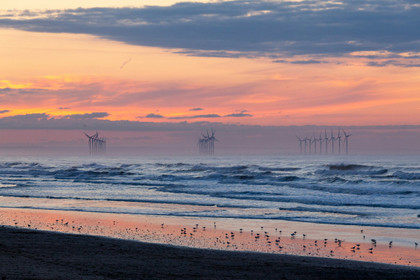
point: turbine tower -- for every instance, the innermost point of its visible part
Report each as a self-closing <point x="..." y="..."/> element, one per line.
<point x="320" y="143"/>
<point x="346" y="139"/>
<point x="212" y="139"/>
<point x="310" y="145"/>
<point x="300" y="143"/>
<point x="339" y="142"/>
<point x="332" y="142"/>
<point x="326" y="141"/>
<point x="314" y="141"/>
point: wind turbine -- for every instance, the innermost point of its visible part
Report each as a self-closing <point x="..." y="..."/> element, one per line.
<point x="339" y="141"/>
<point x="320" y="143"/>
<point x="326" y="142"/>
<point x="203" y="144"/>
<point x="306" y="143"/>
<point x="332" y="141"/>
<point x="314" y="141"/>
<point x="212" y="139"/>
<point x="347" y="141"/>
<point x="208" y="138"/>
<point x="310" y="145"/>
<point x="90" y="142"/>
<point x="300" y="143"/>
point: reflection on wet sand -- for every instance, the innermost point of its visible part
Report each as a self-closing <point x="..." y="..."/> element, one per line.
<point x="279" y="237"/>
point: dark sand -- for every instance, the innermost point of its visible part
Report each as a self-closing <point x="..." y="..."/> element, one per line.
<point x="30" y="254"/>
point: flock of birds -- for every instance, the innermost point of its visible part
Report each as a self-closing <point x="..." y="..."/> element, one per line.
<point x="253" y="240"/>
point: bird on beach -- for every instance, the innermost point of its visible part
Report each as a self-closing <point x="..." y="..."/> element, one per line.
<point x="390" y="244"/>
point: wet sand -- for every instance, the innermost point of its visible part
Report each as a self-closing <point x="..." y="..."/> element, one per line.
<point x="170" y="247"/>
<point x="34" y="254"/>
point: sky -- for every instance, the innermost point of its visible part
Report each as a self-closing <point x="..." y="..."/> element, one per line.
<point x="260" y="72"/>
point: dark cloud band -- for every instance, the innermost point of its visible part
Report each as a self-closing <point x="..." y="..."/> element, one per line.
<point x="237" y="28"/>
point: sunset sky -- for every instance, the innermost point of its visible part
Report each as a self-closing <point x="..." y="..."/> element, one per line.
<point x="156" y="65"/>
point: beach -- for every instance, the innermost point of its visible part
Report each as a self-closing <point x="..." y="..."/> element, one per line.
<point x="31" y="254"/>
<point x="45" y="244"/>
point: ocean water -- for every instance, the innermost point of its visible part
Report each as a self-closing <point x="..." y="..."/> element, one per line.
<point x="355" y="190"/>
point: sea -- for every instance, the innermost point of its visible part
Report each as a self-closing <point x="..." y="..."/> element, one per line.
<point x="379" y="191"/>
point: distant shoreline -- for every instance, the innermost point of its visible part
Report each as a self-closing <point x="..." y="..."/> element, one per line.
<point x="34" y="254"/>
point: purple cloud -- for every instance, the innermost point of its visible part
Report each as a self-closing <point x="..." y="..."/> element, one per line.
<point x="154" y="116"/>
<point x="195" y="117"/>
<point x="239" y="115"/>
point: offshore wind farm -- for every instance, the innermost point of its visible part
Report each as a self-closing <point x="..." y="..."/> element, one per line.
<point x="314" y="145"/>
